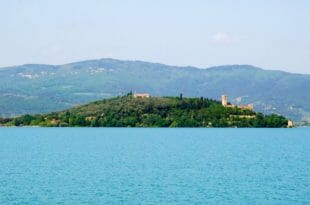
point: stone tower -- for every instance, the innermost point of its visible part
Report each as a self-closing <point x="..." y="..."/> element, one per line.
<point x="224" y="100"/>
<point x="290" y="124"/>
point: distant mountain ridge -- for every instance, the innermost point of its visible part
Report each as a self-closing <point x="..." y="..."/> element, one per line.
<point x="37" y="88"/>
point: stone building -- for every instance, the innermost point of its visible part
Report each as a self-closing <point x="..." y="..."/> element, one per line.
<point x="290" y="124"/>
<point x="141" y="95"/>
<point x="246" y="107"/>
<point x="226" y="104"/>
<point x="224" y="100"/>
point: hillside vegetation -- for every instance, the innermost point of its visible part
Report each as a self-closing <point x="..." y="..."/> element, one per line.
<point x="127" y="111"/>
<point x="48" y="88"/>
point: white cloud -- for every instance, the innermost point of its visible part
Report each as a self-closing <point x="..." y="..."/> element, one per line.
<point x="222" y="37"/>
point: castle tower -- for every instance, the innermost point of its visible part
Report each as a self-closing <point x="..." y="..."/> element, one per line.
<point x="224" y="100"/>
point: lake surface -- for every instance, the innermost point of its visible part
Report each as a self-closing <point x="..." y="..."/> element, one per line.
<point x="154" y="166"/>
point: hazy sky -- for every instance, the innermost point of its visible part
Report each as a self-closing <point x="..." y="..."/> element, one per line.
<point x="273" y="34"/>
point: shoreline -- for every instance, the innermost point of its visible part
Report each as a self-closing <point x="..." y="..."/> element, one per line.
<point x="296" y="127"/>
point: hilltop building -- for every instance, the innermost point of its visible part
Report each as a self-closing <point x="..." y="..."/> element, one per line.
<point x="247" y="107"/>
<point x="141" y="95"/>
<point x="226" y="104"/>
<point x="224" y="100"/>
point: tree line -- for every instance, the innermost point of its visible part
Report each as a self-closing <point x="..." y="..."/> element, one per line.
<point x="127" y="111"/>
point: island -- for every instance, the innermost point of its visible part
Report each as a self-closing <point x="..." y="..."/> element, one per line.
<point x="142" y="110"/>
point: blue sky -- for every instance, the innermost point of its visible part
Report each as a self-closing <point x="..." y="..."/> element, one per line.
<point x="273" y="34"/>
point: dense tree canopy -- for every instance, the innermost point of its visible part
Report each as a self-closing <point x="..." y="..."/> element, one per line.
<point x="127" y="111"/>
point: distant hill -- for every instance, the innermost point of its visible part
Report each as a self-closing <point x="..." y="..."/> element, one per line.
<point x="34" y="88"/>
<point x="129" y="111"/>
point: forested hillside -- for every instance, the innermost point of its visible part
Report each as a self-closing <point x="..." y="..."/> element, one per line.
<point x="36" y="88"/>
<point x="127" y="111"/>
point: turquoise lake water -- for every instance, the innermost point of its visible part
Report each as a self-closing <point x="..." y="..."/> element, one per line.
<point x="154" y="166"/>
